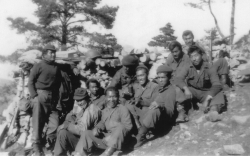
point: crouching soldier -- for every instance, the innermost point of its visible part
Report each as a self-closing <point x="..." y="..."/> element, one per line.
<point x="203" y="82"/>
<point x="125" y="77"/>
<point x="82" y="117"/>
<point x="115" y="126"/>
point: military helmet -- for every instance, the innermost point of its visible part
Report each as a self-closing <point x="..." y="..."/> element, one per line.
<point x="92" y="54"/>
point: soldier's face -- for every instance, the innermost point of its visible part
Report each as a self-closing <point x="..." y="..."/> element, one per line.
<point x="93" y="88"/>
<point x="196" y="58"/>
<point x="141" y="75"/>
<point x="188" y="39"/>
<point x="128" y="69"/>
<point x="176" y="52"/>
<point x="50" y="56"/>
<point x="80" y="104"/>
<point x="162" y="79"/>
<point x="112" y="99"/>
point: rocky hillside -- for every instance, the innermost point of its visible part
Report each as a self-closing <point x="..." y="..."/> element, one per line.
<point x="229" y="136"/>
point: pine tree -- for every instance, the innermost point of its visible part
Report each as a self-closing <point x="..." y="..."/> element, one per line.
<point x="164" y="38"/>
<point x="61" y="21"/>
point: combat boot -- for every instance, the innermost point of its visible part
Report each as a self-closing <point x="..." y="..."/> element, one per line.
<point x="182" y="116"/>
<point x="38" y="151"/>
<point x="141" y="137"/>
<point x="108" y="152"/>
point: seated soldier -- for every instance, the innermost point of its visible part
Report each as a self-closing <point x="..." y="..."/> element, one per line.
<point x="177" y="62"/>
<point x="125" y="77"/>
<point x="111" y="131"/>
<point x="145" y="93"/>
<point x="96" y="93"/>
<point x="82" y="117"/>
<point x="203" y="82"/>
<point x="165" y="101"/>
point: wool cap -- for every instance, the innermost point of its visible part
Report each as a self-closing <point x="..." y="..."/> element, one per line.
<point x="142" y="66"/>
<point x="164" y="69"/>
<point x="50" y="47"/>
<point x="130" y="60"/>
<point x="80" y="94"/>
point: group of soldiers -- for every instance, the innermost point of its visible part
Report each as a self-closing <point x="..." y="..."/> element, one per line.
<point x="81" y="120"/>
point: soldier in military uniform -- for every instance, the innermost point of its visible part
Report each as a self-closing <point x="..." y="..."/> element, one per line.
<point x="125" y="77"/>
<point x="203" y="82"/>
<point x="111" y="132"/>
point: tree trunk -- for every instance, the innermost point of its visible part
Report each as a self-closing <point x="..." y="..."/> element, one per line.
<point x="64" y="28"/>
<point x="215" y="20"/>
<point x="232" y="22"/>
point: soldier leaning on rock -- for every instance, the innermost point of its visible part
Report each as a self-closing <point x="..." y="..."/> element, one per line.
<point x="44" y="83"/>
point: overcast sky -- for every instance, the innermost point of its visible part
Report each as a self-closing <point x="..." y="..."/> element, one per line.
<point x="137" y="21"/>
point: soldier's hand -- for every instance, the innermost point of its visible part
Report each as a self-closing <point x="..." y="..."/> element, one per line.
<point x="206" y="103"/>
<point x="76" y="71"/>
<point x="95" y="131"/>
<point x="60" y="128"/>
<point x="154" y="105"/>
<point x="188" y="94"/>
<point x="131" y="102"/>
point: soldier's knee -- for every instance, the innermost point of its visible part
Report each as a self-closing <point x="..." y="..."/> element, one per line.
<point x="62" y="133"/>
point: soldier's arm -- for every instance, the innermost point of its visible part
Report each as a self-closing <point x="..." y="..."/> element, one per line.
<point x="126" y="118"/>
<point x="222" y="68"/>
<point x="167" y="99"/>
<point x="116" y="80"/>
<point x="87" y="121"/>
<point x="215" y="81"/>
<point x="34" y="74"/>
<point x="181" y="77"/>
<point x="155" y="92"/>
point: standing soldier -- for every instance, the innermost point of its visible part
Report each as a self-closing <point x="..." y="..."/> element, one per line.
<point x="111" y="131"/>
<point x="125" y="77"/>
<point x="203" y="82"/>
<point x="44" y="83"/>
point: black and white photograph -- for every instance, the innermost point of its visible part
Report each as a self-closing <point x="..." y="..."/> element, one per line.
<point x="124" y="77"/>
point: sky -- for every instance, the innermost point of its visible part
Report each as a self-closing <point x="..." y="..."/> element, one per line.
<point x="137" y="21"/>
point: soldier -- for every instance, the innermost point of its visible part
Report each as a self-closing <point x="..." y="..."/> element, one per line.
<point x="125" y="77"/>
<point x="115" y="125"/>
<point x="202" y="81"/>
<point x="177" y="62"/>
<point x="96" y="93"/>
<point x="44" y="83"/>
<point x="145" y="93"/>
<point x="84" y="116"/>
<point x="188" y="38"/>
<point x="221" y="66"/>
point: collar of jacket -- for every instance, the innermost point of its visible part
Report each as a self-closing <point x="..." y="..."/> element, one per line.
<point x="148" y="85"/>
<point x="162" y="89"/>
<point x="92" y="97"/>
<point x="49" y="62"/>
<point x="205" y="65"/>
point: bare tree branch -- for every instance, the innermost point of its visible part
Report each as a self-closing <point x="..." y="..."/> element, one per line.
<point x="215" y="20"/>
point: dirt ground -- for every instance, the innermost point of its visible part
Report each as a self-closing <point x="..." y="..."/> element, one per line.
<point x="202" y="137"/>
